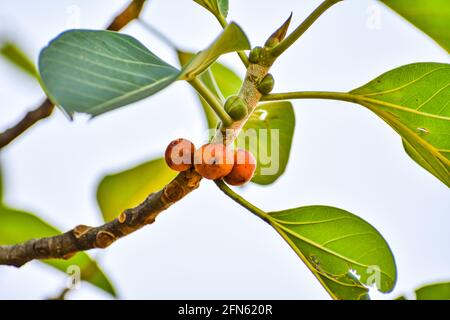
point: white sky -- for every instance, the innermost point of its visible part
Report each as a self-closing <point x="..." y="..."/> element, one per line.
<point x="207" y="246"/>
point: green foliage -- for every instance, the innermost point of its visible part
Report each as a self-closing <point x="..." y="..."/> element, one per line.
<point x="1" y="185"/>
<point x="12" y="53"/>
<point x="273" y="118"/>
<point x="436" y="291"/>
<point x="231" y="39"/>
<point x="97" y="71"/>
<point x="413" y="100"/>
<point x="216" y="7"/>
<point x="18" y="226"/>
<point x="334" y="243"/>
<point x="433" y="291"/>
<point x="127" y="189"/>
<point x="430" y="16"/>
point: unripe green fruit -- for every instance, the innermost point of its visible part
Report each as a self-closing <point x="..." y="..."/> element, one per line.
<point x="255" y="55"/>
<point x="236" y="107"/>
<point x="266" y="85"/>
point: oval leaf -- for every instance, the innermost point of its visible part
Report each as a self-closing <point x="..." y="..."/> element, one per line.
<point x="231" y="39"/>
<point x="336" y="245"/>
<point x="415" y="101"/>
<point x="273" y="126"/>
<point x="216" y="7"/>
<point x="127" y="189"/>
<point x="430" y="16"/>
<point x="18" y="226"/>
<point x="435" y="291"/>
<point x="97" y="71"/>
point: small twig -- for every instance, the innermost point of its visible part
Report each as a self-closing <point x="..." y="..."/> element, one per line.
<point x="212" y="101"/>
<point x="62" y="295"/>
<point x="240" y="200"/>
<point x="42" y="112"/>
<point x="131" y="12"/>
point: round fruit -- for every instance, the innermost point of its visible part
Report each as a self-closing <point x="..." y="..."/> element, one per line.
<point x="266" y="85"/>
<point x="180" y="154"/>
<point x="243" y="169"/>
<point x="255" y="55"/>
<point x="236" y="107"/>
<point x="213" y="161"/>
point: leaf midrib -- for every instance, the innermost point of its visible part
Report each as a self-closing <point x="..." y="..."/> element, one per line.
<point x="318" y="246"/>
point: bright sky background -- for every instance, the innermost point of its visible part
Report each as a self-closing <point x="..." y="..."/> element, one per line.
<point x="207" y="246"/>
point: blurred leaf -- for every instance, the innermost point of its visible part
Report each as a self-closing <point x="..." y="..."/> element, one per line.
<point x="414" y="101"/>
<point x="97" y="71"/>
<point x="228" y="82"/>
<point x="335" y="244"/>
<point x="435" y="291"/>
<point x="1" y="186"/>
<point x="216" y="7"/>
<point x="12" y="53"/>
<point x="430" y="16"/>
<point x="128" y="188"/>
<point x="231" y="39"/>
<point x="268" y="134"/>
<point x="18" y="226"/>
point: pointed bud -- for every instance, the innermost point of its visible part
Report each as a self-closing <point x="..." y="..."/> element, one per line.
<point x="279" y="34"/>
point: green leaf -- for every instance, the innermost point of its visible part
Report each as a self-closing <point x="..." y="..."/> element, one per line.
<point x="273" y="126"/>
<point x="435" y="291"/>
<point x="415" y="101"/>
<point x="12" y="53"/>
<point x="430" y="16"/>
<point x="97" y="71"/>
<point x="231" y="39"/>
<point x="216" y="7"/>
<point x="1" y="185"/>
<point x="18" y="226"/>
<point x="128" y="188"/>
<point x="335" y="244"/>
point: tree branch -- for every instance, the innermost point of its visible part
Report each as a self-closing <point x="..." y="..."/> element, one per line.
<point x="42" y="112"/>
<point x="83" y="238"/>
<point x="130" y="13"/>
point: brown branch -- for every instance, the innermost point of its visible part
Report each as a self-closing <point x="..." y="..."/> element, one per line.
<point x="130" y="13"/>
<point x="42" y="112"/>
<point x="83" y="238"/>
